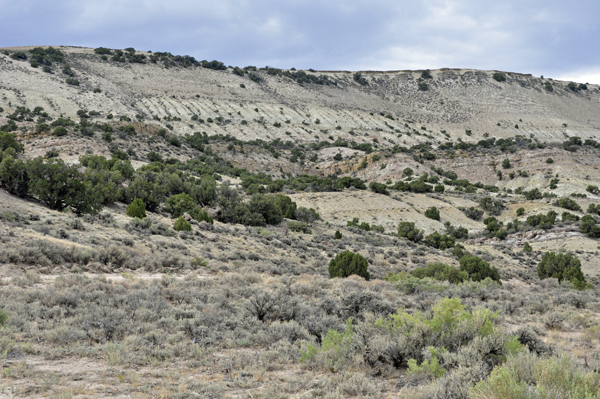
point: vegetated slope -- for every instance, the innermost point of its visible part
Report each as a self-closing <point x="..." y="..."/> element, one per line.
<point x="434" y="179"/>
<point x="454" y="100"/>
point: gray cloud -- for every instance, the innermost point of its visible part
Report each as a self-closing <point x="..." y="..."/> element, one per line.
<point x="554" y="38"/>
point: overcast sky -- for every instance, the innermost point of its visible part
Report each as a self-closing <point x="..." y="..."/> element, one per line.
<point x="557" y="39"/>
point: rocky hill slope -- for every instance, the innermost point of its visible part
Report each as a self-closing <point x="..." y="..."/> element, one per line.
<point x="254" y="180"/>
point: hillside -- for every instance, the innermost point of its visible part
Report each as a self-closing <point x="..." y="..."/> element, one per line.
<point x="448" y="183"/>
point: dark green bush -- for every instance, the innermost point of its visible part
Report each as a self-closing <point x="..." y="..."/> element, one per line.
<point x="478" y="269"/>
<point x="569" y="217"/>
<point x="543" y="221"/>
<point x="266" y="205"/>
<point x="520" y="211"/>
<point x="499" y="77"/>
<point x="72" y="82"/>
<point x="60" y="131"/>
<point x="568" y="203"/>
<point x="561" y="267"/>
<point x="8" y="140"/>
<point x="433" y="213"/>
<point x="337" y="235"/>
<point x="348" y="263"/>
<point x="137" y="209"/>
<point x="472" y="213"/>
<point x="439" y="241"/>
<point x="287" y="206"/>
<point x="182" y="225"/>
<point x="379" y="188"/>
<point x="592" y="189"/>
<point x="14" y="176"/>
<point x="492" y="206"/>
<point x="588" y="226"/>
<point x="178" y="204"/>
<point x="358" y="78"/>
<point x="407" y="230"/>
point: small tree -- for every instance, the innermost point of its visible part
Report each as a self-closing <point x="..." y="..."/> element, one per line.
<point x="499" y="77"/>
<point x="182" y="225"/>
<point x="506" y="164"/>
<point x="561" y="267"/>
<point x="433" y="213"/>
<point x="407" y="230"/>
<point x="520" y="211"/>
<point x="478" y="269"/>
<point x="60" y="131"/>
<point x="177" y="204"/>
<point x="527" y="247"/>
<point x="568" y="203"/>
<point x="379" y="188"/>
<point x="348" y="263"/>
<point x="137" y="209"/>
<point x="337" y="235"/>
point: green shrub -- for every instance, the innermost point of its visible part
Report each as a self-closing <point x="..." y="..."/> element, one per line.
<point x="182" y="225"/>
<point x="337" y="235"/>
<point x="442" y="272"/>
<point x="499" y="77"/>
<point x="60" y="131"/>
<point x="478" y="269"/>
<point x="526" y="375"/>
<point x="8" y="140"/>
<point x="348" y="263"/>
<point x="439" y="241"/>
<point x="472" y="213"/>
<point x="506" y="164"/>
<point x="561" y="267"/>
<point x="439" y="188"/>
<point x="520" y="211"/>
<point x="137" y="209"/>
<point x="527" y="247"/>
<point x="549" y="160"/>
<point x="588" y="226"/>
<point x="379" y="188"/>
<point x="177" y="204"/>
<point x="433" y="213"/>
<point x="266" y="205"/>
<point x="287" y="206"/>
<point x="72" y="82"/>
<point x="568" y="203"/>
<point x="13" y="175"/>
<point x="592" y="189"/>
<point x="542" y="221"/>
<point x="569" y="217"/>
<point x="492" y="206"/>
<point x="407" y="230"/>
<point x="533" y="194"/>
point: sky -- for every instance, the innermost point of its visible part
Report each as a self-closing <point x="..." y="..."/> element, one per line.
<point x="557" y="39"/>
